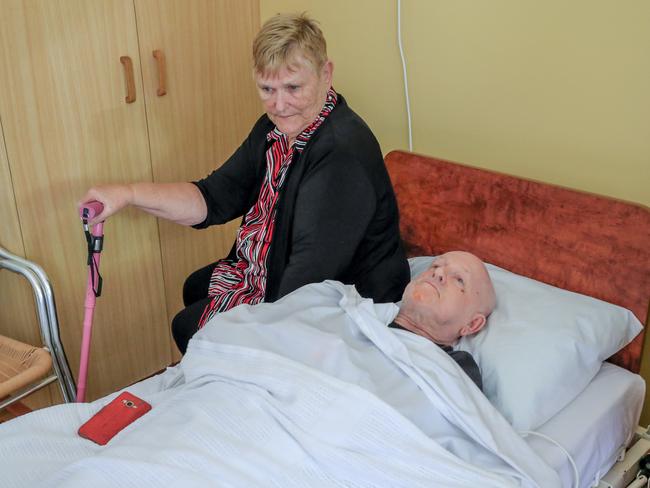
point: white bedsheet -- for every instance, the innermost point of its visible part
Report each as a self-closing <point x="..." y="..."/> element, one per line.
<point x="594" y="427"/>
<point x="304" y="392"/>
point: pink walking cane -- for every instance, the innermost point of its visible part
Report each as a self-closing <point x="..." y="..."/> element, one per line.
<point x="95" y="240"/>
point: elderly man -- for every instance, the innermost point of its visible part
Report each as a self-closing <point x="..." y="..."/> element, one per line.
<point x="451" y="299"/>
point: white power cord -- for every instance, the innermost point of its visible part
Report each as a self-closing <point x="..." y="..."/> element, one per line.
<point x="406" y="84"/>
<point x="576" y="475"/>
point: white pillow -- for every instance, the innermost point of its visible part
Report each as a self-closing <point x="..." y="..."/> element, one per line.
<point x="542" y="345"/>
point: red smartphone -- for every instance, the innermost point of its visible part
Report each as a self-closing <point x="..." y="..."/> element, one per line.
<point x="120" y="412"/>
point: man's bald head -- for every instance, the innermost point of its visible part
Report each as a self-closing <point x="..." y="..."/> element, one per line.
<point x="452" y="298"/>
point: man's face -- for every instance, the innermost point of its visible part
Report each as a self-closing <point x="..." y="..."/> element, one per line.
<point x="295" y="95"/>
<point x="450" y="299"/>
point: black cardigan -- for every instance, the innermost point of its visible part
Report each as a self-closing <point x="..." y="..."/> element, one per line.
<point x="336" y="216"/>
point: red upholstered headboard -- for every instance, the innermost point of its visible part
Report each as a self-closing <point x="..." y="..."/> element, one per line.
<point x="582" y="242"/>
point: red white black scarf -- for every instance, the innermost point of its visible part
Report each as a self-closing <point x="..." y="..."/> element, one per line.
<point x="243" y="280"/>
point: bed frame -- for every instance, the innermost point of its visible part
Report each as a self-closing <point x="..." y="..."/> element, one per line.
<point x="582" y="242"/>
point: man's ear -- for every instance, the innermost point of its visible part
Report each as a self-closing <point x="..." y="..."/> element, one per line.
<point x="475" y="325"/>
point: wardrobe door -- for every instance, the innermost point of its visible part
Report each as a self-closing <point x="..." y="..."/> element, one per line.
<point x="203" y="65"/>
<point x="68" y="125"/>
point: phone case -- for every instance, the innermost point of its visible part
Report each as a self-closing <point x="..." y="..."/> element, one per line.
<point x="120" y="412"/>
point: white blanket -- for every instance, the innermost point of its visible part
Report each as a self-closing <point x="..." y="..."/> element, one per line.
<point x="311" y="391"/>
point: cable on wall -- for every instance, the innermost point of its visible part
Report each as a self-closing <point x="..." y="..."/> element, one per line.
<point x="406" y="84"/>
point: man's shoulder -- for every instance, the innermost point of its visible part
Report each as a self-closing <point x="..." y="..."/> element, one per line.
<point x="468" y="364"/>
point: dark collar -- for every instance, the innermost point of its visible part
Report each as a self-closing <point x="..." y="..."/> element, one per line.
<point x="395" y="325"/>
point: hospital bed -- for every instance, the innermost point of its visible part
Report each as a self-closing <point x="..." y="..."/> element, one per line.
<point x="245" y="408"/>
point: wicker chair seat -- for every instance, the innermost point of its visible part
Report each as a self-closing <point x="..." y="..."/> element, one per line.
<point x="20" y="365"/>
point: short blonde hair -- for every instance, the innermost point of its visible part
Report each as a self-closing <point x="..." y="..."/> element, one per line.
<point x="284" y="37"/>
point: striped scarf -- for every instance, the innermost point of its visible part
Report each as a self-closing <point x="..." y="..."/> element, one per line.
<point x="243" y="279"/>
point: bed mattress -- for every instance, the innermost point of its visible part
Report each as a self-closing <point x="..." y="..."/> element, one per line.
<point x="594" y="427"/>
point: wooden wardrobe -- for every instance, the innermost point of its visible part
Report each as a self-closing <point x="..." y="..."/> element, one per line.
<point x="115" y="91"/>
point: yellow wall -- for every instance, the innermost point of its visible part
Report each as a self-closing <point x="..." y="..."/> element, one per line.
<point x="555" y="91"/>
<point x="551" y="90"/>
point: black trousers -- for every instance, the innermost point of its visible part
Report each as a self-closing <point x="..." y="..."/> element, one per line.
<point x="195" y="299"/>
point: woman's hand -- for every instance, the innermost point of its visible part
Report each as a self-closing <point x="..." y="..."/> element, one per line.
<point x="182" y="203"/>
<point x="112" y="197"/>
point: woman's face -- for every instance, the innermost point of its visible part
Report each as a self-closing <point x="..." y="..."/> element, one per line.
<point x="295" y="95"/>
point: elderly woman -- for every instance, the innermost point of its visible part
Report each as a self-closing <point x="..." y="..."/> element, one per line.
<point x="309" y="181"/>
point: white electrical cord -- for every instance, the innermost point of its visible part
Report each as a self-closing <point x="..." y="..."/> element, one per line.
<point x="406" y="84"/>
<point x="576" y="475"/>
